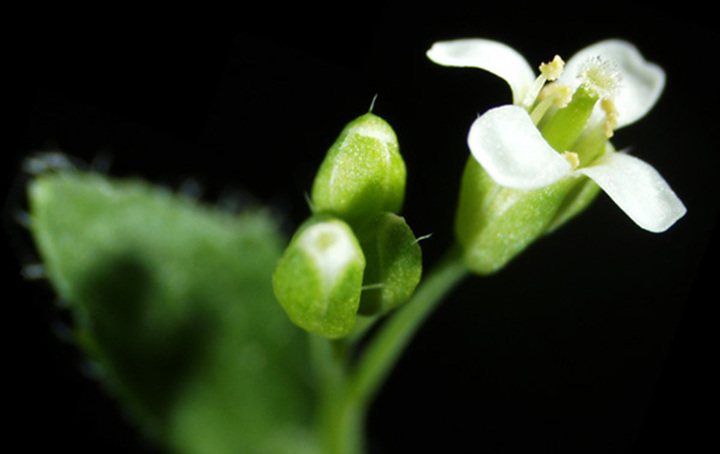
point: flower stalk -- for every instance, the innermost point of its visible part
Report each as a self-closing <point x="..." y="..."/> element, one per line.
<point x="348" y="388"/>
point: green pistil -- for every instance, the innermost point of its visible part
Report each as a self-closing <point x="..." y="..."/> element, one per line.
<point x="565" y="127"/>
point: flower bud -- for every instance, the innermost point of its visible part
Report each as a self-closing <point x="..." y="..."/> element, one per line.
<point x="362" y="173"/>
<point x="494" y="223"/>
<point x="318" y="280"/>
<point x="393" y="263"/>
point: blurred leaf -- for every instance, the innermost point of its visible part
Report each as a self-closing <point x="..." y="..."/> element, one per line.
<point x="173" y="301"/>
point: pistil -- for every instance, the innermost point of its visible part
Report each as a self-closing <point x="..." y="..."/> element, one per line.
<point x="565" y="127"/>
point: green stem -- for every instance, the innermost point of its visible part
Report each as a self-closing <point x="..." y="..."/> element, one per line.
<point x="385" y="348"/>
<point x="346" y="393"/>
<point x="339" y="422"/>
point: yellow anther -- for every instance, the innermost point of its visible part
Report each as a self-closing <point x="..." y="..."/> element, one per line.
<point x="558" y="93"/>
<point x="572" y="158"/>
<point x="548" y="72"/>
<point x="553" y="69"/>
<point x="611" y="115"/>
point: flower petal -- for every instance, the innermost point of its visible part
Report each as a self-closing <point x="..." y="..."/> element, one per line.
<point x="638" y="189"/>
<point x="509" y="147"/>
<point x="495" y="57"/>
<point x="641" y="82"/>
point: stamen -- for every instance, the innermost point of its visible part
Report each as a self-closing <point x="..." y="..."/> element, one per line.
<point x="539" y="110"/>
<point x="611" y="116"/>
<point x="553" y="70"/>
<point x="572" y="158"/>
<point x="558" y="93"/>
<point x="601" y="76"/>
<point x="548" y="72"/>
<point x="533" y="91"/>
<point x="551" y="94"/>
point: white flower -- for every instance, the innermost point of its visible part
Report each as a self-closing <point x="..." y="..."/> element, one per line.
<point x="533" y="143"/>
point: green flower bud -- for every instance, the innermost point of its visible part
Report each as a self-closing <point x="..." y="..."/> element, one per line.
<point x="362" y="173"/>
<point x="494" y="223"/>
<point x="318" y="280"/>
<point x="394" y="263"/>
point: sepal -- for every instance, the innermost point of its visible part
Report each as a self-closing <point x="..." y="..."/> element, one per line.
<point x="494" y="223"/>
<point x="393" y="263"/>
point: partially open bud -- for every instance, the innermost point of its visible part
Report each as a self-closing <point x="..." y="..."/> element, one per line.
<point x="362" y="173"/>
<point x="394" y="263"/>
<point x="318" y="280"/>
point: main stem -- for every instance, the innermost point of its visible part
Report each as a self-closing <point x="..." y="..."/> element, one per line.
<point x="339" y="420"/>
<point x="347" y="390"/>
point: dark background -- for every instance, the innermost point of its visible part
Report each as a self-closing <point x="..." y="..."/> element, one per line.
<point x="596" y="340"/>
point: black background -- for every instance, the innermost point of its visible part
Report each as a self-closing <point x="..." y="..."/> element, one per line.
<point x="596" y="340"/>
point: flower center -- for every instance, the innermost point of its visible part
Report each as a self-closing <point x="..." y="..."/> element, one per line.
<point x="565" y="117"/>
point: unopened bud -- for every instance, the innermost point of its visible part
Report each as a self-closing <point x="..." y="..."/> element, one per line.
<point x="318" y="280"/>
<point x="362" y="173"/>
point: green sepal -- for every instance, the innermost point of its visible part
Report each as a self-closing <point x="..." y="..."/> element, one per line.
<point x="362" y="173"/>
<point x="494" y="224"/>
<point x="394" y="263"/>
<point x="172" y="301"/>
<point x="579" y="197"/>
<point x="318" y="279"/>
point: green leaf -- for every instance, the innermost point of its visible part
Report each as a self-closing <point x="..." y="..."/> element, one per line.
<point x="173" y="300"/>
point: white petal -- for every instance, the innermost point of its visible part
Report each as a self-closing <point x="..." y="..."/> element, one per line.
<point x="641" y="82"/>
<point x="509" y="147"/>
<point x="638" y="189"/>
<point x="495" y="57"/>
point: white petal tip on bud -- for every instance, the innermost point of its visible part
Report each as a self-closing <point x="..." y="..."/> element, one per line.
<point x="331" y="248"/>
<point x="372" y="126"/>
